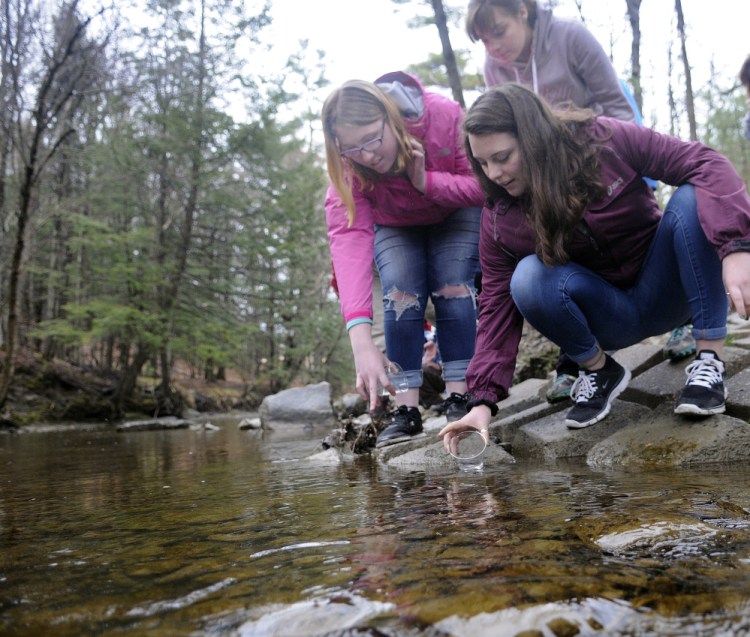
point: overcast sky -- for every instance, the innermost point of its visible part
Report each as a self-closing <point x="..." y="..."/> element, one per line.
<point x="365" y="38"/>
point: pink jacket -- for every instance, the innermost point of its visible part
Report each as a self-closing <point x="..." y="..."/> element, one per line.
<point x="436" y="121"/>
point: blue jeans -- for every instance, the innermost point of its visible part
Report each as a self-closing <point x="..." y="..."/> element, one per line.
<point x="417" y="263"/>
<point x="680" y="282"/>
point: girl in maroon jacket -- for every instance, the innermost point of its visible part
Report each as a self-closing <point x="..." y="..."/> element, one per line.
<point x="573" y="241"/>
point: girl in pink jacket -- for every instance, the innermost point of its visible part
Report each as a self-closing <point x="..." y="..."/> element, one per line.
<point x="403" y="194"/>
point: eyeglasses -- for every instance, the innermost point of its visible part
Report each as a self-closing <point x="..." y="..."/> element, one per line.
<point x="369" y="147"/>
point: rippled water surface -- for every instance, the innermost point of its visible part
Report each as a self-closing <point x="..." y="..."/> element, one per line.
<point x="239" y="533"/>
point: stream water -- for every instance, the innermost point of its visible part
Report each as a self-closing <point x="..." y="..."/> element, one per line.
<point x="238" y="533"/>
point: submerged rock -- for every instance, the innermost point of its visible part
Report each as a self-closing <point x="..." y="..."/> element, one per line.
<point x="250" y="423"/>
<point x="154" y="424"/>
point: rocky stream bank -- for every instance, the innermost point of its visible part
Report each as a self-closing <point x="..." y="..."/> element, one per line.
<point x="641" y="430"/>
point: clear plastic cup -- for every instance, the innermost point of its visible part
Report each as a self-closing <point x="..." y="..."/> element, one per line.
<point x="468" y="449"/>
<point x="396" y="376"/>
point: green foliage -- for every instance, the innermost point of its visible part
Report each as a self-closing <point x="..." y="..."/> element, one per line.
<point x="725" y="109"/>
<point x="176" y="227"/>
<point x="168" y="222"/>
<point x="432" y="72"/>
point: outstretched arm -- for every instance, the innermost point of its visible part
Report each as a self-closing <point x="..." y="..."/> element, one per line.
<point x="369" y="363"/>
<point x="477" y="419"/>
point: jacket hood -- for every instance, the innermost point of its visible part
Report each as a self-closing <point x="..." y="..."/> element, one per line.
<point x="406" y="90"/>
<point x="542" y="42"/>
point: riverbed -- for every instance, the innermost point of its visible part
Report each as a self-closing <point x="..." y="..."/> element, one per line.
<point x="240" y="533"/>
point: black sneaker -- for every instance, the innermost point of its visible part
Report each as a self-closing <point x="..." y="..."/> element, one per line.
<point x="406" y="423"/>
<point x="594" y="391"/>
<point x="704" y="393"/>
<point x="455" y="406"/>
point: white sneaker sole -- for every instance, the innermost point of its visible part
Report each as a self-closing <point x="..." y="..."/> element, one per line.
<point x="574" y="424"/>
<point x="694" y="410"/>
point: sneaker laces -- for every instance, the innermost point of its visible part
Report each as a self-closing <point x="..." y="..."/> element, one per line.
<point x="457" y="398"/>
<point x="584" y="387"/>
<point x="705" y="372"/>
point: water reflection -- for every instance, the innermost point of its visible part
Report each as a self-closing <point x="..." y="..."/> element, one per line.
<point x="241" y="533"/>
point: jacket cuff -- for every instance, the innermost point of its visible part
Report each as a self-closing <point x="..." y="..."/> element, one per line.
<point x="473" y="402"/>
<point x="356" y="321"/>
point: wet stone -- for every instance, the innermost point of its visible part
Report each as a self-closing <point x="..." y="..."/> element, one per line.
<point x="739" y="395"/>
<point x="665" y="439"/>
<point x="550" y="439"/>
<point x="154" y="424"/>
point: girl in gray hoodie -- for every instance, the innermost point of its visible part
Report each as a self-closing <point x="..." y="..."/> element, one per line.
<point x="561" y="61"/>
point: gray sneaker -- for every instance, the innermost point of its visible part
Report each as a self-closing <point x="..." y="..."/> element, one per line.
<point x="560" y="389"/>
<point x="681" y="343"/>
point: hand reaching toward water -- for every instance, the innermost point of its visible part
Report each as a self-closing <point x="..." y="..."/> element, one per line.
<point x="478" y="419"/>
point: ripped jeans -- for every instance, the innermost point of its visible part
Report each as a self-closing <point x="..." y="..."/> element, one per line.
<point x="439" y="261"/>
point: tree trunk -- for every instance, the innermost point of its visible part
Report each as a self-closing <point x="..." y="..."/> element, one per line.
<point x="689" y="100"/>
<point x="13" y="282"/>
<point x="449" y="57"/>
<point x="129" y="380"/>
<point x="57" y="89"/>
<point x="634" y="15"/>
<point x="172" y="292"/>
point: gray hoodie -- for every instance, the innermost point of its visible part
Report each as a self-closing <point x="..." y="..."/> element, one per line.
<point x="567" y="64"/>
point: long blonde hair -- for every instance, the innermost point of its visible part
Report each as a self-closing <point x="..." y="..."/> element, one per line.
<point x="360" y="103"/>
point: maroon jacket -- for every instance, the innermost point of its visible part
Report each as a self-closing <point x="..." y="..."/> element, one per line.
<point x="620" y="228"/>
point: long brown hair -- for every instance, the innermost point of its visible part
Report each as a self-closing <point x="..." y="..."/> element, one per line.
<point x="745" y="73"/>
<point x="559" y="161"/>
<point x="360" y="103"/>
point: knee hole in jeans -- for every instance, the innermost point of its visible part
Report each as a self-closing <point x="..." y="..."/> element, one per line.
<point x="452" y="291"/>
<point x="402" y="301"/>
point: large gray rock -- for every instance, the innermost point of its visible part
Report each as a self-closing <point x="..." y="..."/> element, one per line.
<point x="550" y="439"/>
<point x="310" y="405"/>
<point x="350" y="405"/>
<point x="668" y="440"/>
<point x="738" y="403"/>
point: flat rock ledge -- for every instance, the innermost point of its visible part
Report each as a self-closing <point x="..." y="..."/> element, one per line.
<point x="154" y="424"/>
<point x="641" y="429"/>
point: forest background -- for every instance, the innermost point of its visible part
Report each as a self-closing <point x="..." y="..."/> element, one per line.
<point x="161" y="194"/>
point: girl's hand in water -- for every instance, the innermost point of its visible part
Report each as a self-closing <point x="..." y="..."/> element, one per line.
<point x="371" y="375"/>
<point x="369" y="363"/>
<point x="478" y="419"/>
